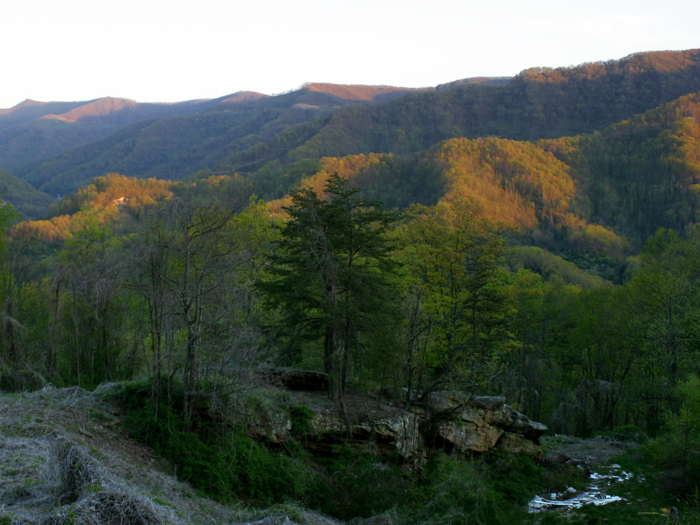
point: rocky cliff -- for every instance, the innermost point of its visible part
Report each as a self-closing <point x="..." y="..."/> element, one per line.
<point x="450" y="421"/>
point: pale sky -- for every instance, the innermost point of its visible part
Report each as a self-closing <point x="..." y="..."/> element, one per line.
<point x="167" y="51"/>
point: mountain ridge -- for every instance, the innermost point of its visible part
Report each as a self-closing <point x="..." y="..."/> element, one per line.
<point x="258" y="135"/>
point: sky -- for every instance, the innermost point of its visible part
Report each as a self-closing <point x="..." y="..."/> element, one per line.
<point x="158" y="51"/>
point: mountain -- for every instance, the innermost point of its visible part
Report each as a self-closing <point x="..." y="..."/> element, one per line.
<point x="599" y="191"/>
<point x="31" y="109"/>
<point x="277" y="141"/>
<point x="35" y="130"/>
<point x="176" y="146"/>
<point x="326" y="120"/>
<point x="489" y="81"/>
<point x="27" y="200"/>
<point x="538" y="103"/>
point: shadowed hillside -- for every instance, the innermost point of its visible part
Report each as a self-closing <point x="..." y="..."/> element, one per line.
<point x="28" y="201"/>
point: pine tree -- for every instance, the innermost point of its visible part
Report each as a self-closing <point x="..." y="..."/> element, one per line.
<point x="329" y="274"/>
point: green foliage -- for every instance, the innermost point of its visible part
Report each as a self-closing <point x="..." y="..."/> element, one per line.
<point x="625" y="434"/>
<point x="677" y="449"/>
<point x="644" y="501"/>
<point x="552" y="266"/>
<point x="301" y="416"/>
<point x="226" y="464"/>
<point x="328" y="274"/>
<point x="452" y="255"/>
<point x="489" y="491"/>
<point x="572" y="331"/>
<point x="222" y="463"/>
<point x="28" y="201"/>
<point x="168" y="148"/>
<point x="362" y="485"/>
<point x="14" y="380"/>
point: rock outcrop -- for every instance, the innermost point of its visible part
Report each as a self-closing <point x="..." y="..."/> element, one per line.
<point x="451" y="421"/>
<point x="467" y="424"/>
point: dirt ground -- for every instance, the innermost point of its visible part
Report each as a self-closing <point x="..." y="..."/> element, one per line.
<point x="593" y="452"/>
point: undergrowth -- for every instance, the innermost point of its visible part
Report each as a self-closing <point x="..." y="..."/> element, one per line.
<point x="492" y="489"/>
<point x="645" y="501"/>
<point x="221" y="461"/>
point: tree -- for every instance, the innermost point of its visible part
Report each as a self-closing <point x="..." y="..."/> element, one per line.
<point x="92" y="268"/>
<point x="329" y="274"/>
<point x="9" y="286"/>
<point x="452" y="255"/>
<point x="662" y="305"/>
<point x="187" y="262"/>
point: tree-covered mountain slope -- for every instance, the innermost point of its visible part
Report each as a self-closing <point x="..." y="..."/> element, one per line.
<point x="640" y="174"/>
<point x="199" y="135"/>
<point x="35" y="130"/>
<point x="275" y="142"/>
<point x="538" y="103"/>
<point x="164" y="148"/>
<point x="29" y="202"/>
<point x="600" y="192"/>
<point x="518" y="184"/>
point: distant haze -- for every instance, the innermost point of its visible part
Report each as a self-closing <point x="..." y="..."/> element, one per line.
<point x="156" y="51"/>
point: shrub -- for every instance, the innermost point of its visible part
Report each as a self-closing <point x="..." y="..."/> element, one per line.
<point x="301" y="417"/>
<point x="363" y="485"/>
<point x="624" y="434"/>
<point x="678" y="449"/>
<point x="490" y="490"/>
<point x="221" y="462"/>
<point x="461" y="492"/>
<point x="15" y="380"/>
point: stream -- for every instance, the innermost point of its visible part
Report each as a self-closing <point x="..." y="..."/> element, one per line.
<point x="593" y="495"/>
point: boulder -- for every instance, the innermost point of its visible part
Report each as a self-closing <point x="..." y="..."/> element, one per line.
<point x="478" y="423"/>
<point x="273" y="427"/>
<point x="468" y="437"/>
<point x="397" y="433"/>
<point x="519" y="444"/>
<point x="296" y="380"/>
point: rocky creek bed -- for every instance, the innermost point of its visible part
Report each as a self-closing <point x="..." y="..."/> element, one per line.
<point x="594" y="494"/>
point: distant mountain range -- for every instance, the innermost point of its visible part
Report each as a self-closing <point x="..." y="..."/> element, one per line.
<point x="35" y="130"/>
<point x="152" y="139"/>
<point x="559" y="152"/>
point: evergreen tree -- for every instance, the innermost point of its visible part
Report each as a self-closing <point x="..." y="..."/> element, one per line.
<point x="329" y="273"/>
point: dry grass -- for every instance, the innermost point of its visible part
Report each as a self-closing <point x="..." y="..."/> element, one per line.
<point x="65" y="460"/>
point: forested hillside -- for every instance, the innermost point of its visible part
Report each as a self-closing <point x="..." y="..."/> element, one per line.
<point x="180" y="138"/>
<point x="34" y="130"/>
<point x="538" y="103"/>
<point x="29" y="202"/>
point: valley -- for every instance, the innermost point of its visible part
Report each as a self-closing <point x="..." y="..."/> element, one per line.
<point x="352" y="303"/>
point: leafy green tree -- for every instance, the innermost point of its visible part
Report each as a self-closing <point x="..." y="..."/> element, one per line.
<point x="662" y="305"/>
<point x="329" y="274"/>
<point x="541" y="325"/>
<point x="453" y="256"/>
<point x="91" y="267"/>
<point x="9" y="288"/>
<point x="677" y="449"/>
